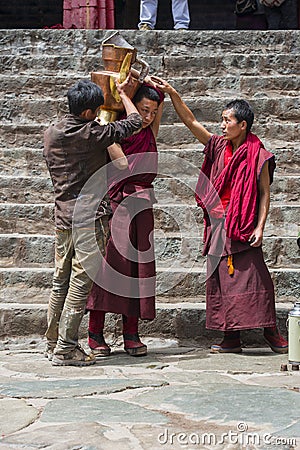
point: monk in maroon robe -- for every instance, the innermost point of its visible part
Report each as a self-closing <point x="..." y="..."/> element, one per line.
<point x="126" y="280"/>
<point x="233" y="190"/>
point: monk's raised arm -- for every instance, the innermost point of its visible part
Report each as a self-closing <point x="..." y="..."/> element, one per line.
<point x="183" y="111"/>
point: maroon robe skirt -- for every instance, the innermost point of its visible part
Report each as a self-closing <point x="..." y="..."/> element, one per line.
<point x="126" y="280"/>
<point x="243" y="300"/>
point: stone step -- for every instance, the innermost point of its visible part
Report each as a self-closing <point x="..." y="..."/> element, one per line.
<point x="24" y="161"/>
<point x="242" y="85"/>
<point x="179" y="135"/>
<point x="187" y="160"/>
<point x="212" y="43"/>
<point x="219" y="42"/>
<point x="30" y="134"/>
<point x="31" y="283"/>
<point x="18" y="108"/>
<point x="179" y="217"/>
<point x="210" y="108"/>
<point x="285" y="189"/>
<point x="33" y="218"/>
<point x="180" y="320"/>
<point x="26" y="250"/>
<point x="34" y="86"/>
<point x="159" y="42"/>
<point x="51" y="64"/>
<point x="206" y="108"/>
<point x="173" y="218"/>
<point x="28" y="189"/>
<point x="186" y="251"/>
<point x="15" y="135"/>
<point x="32" y="189"/>
<point x="231" y="63"/>
<point x="204" y="63"/>
<point x="37" y="251"/>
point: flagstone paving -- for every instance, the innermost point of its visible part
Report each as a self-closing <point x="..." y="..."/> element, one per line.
<point x="176" y="397"/>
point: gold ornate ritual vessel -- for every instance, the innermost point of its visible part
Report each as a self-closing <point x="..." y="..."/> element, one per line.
<point x="118" y="58"/>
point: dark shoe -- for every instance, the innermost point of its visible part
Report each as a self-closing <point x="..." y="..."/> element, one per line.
<point x="274" y="339"/>
<point x="76" y="357"/>
<point x="230" y="344"/>
<point x="133" y="345"/>
<point x="98" y="345"/>
<point x="227" y="346"/>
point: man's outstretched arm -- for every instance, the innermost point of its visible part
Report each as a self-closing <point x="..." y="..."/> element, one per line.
<point x="183" y="111"/>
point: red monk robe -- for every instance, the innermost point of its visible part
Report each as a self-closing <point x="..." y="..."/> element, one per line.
<point x="131" y="289"/>
<point x="243" y="299"/>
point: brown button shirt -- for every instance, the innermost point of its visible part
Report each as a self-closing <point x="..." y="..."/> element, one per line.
<point x="74" y="150"/>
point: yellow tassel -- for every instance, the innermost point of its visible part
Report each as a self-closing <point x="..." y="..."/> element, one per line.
<point x="230" y="265"/>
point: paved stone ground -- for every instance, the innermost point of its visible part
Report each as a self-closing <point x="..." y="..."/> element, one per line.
<point x="176" y="397"/>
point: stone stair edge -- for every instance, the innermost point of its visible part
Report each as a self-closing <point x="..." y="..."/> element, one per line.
<point x="63" y="78"/>
<point x="95" y="63"/>
<point x="273" y="87"/>
<point x="155" y="206"/>
<point x="166" y="66"/>
<point x="165" y="202"/>
<point x="151" y="54"/>
<point x="168" y="234"/>
<point x="280" y="174"/>
<point x="59" y="39"/>
<point x="35" y="128"/>
<point x="40" y="127"/>
<point x="177" y="138"/>
<point x="190" y="98"/>
<point x="194" y="270"/>
<point x="178" y="319"/>
<point x="166" y="305"/>
<point x="160" y="176"/>
<point x="197" y="147"/>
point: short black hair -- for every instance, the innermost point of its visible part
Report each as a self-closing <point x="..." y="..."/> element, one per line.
<point x="84" y="95"/>
<point x="146" y="92"/>
<point x="242" y="111"/>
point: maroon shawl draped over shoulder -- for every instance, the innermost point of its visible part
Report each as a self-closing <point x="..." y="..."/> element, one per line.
<point x="241" y="174"/>
<point x="141" y="152"/>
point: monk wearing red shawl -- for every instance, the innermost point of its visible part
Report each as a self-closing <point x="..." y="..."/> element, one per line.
<point x="233" y="190"/>
<point x="127" y="276"/>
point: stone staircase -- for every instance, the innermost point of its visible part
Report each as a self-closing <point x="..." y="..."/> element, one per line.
<point x="208" y="68"/>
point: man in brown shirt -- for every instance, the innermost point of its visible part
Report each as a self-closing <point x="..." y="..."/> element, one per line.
<point x="75" y="148"/>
